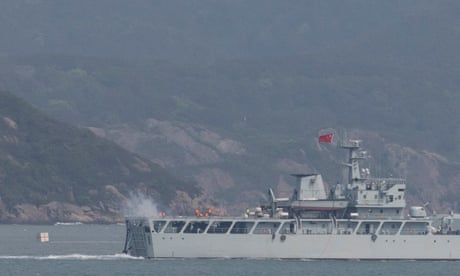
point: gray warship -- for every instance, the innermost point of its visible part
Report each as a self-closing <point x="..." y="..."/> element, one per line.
<point x="365" y="218"/>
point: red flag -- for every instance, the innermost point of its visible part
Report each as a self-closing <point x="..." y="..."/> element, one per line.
<point x="326" y="138"/>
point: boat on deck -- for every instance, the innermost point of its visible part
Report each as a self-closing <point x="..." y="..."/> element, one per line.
<point x="365" y="218"/>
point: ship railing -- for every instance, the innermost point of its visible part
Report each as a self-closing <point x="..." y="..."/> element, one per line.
<point x="383" y="183"/>
<point x="212" y="217"/>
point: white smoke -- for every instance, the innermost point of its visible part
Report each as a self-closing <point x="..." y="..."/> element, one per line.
<point x="139" y="205"/>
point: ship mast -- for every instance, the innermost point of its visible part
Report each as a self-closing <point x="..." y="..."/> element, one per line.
<point x="355" y="155"/>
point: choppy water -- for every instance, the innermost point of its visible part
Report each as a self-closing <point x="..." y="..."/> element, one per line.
<point x="96" y="250"/>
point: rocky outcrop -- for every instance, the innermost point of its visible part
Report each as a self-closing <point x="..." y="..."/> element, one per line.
<point x="173" y="144"/>
<point x="107" y="211"/>
<point x="58" y="212"/>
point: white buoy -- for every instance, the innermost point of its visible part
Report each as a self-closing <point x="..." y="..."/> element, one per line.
<point x="43" y="237"/>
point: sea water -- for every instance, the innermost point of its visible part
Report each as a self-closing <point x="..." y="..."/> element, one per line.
<point x="80" y="249"/>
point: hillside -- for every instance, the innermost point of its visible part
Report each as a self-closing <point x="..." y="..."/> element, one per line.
<point x="237" y="130"/>
<point x="232" y="94"/>
<point x="51" y="171"/>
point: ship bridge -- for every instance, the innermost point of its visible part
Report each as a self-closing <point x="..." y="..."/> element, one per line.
<point x="372" y="198"/>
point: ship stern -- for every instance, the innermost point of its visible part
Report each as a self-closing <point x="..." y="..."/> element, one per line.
<point x="138" y="240"/>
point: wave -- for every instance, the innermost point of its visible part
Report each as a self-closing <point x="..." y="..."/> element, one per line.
<point x="68" y="223"/>
<point x="77" y="257"/>
<point x="90" y="242"/>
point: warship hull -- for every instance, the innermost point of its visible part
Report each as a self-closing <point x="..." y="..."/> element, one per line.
<point x="412" y="246"/>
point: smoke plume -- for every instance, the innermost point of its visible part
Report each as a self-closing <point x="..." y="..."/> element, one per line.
<point x="139" y="205"/>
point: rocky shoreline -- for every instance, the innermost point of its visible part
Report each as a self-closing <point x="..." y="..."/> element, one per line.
<point x="55" y="212"/>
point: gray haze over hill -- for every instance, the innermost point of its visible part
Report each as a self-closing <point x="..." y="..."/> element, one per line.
<point x="233" y="93"/>
<point x="208" y="30"/>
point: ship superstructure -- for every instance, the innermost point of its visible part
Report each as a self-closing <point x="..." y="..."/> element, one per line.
<point x="362" y="219"/>
<point x="363" y="197"/>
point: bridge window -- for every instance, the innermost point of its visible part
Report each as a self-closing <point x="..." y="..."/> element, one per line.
<point x="289" y="227"/>
<point x="346" y="227"/>
<point x="367" y="228"/>
<point x="265" y="227"/>
<point x="175" y="226"/>
<point x="219" y="227"/>
<point x="196" y="227"/>
<point x="320" y="227"/>
<point x="414" y="228"/>
<point x="390" y="228"/>
<point x="242" y="227"/>
<point x="158" y="225"/>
